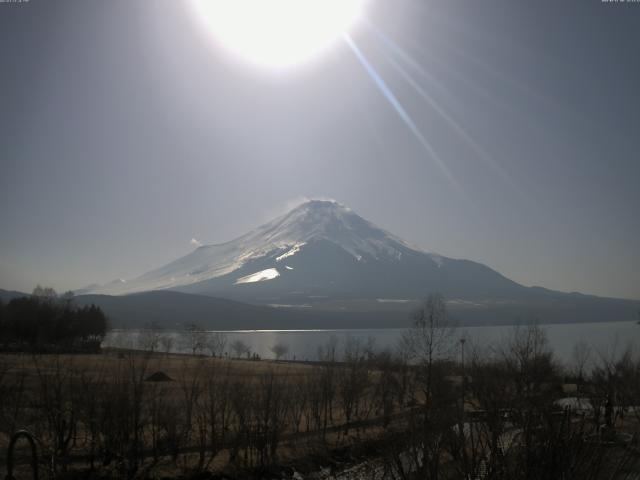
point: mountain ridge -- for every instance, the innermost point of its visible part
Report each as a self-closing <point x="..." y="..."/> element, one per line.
<point x="176" y="310"/>
<point x="323" y="257"/>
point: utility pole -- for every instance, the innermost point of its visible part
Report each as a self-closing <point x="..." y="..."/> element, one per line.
<point x="462" y="342"/>
<point x="461" y="425"/>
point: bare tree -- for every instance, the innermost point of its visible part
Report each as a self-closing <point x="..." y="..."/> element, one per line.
<point x="327" y="381"/>
<point x="580" y="357"/>
<point x="92" y="386"/>
<point x="191" y="388"/>
<point x="12" y="395"/>
<point x="422" y="447"/>
<point x="149" y="339"/>
<point x="279" y="350"/>
<point x="197" y="339"/>
<point x="54" y="394"/>
<point x="430" y="339"/>
<point x="314" y="394"/>
<point x="629" y="394"/>
<point x="239" y="348"/>
<point x="611" y="376"/>
<point x="386" y="385"/>
<point x="299" y="404"/>
<point x="216" y="343"/>
<point x="530" y="359"/>
<point x="353" y="379"/>
<point x="217" y="406"/>
<point x="45" y="293"/>
<point x="328" y="351"/>
<point x="270" y="415"/>
<point x="166" y="342"/>
<point x="518" y="431"/>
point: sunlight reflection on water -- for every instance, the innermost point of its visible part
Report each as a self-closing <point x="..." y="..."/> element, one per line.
<point x="604" y="338"/>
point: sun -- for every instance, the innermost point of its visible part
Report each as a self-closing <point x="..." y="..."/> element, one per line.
<point x="278" y="33"/>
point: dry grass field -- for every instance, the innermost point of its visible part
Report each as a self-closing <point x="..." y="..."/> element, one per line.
<point x="171" y="412"/>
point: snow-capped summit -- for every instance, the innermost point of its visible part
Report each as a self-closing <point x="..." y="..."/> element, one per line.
<point x="312" y="221"/>
<point x="330" y="221"/>
<point x="320" y="249"/>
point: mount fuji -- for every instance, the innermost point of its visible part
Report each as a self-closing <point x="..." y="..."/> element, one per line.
<point x="323" y="257"/>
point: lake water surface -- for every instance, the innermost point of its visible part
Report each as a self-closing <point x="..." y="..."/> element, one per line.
<point x="603" y="338"/>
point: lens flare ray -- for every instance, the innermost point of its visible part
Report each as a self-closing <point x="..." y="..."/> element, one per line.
<point x="400" y="110"/>
<point x="389" y="49"/>
<point x="453" y="124"/>
<point x="406" y="58"/>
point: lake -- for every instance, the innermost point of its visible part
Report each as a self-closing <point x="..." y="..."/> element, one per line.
<point x="603" y="338"/>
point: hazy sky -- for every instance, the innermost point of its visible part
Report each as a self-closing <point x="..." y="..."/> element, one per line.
<point x="125" y="132"/>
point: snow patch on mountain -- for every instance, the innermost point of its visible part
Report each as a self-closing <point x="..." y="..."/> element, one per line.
<point x="293" y="251"/>
<point x="264" y="275"/>
<point x="437" y="259"/>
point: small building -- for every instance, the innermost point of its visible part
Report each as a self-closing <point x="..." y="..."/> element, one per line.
<point x="158" y="377"/>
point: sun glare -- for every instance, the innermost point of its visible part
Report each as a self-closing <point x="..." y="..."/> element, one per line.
<point x="278" y="33"/>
